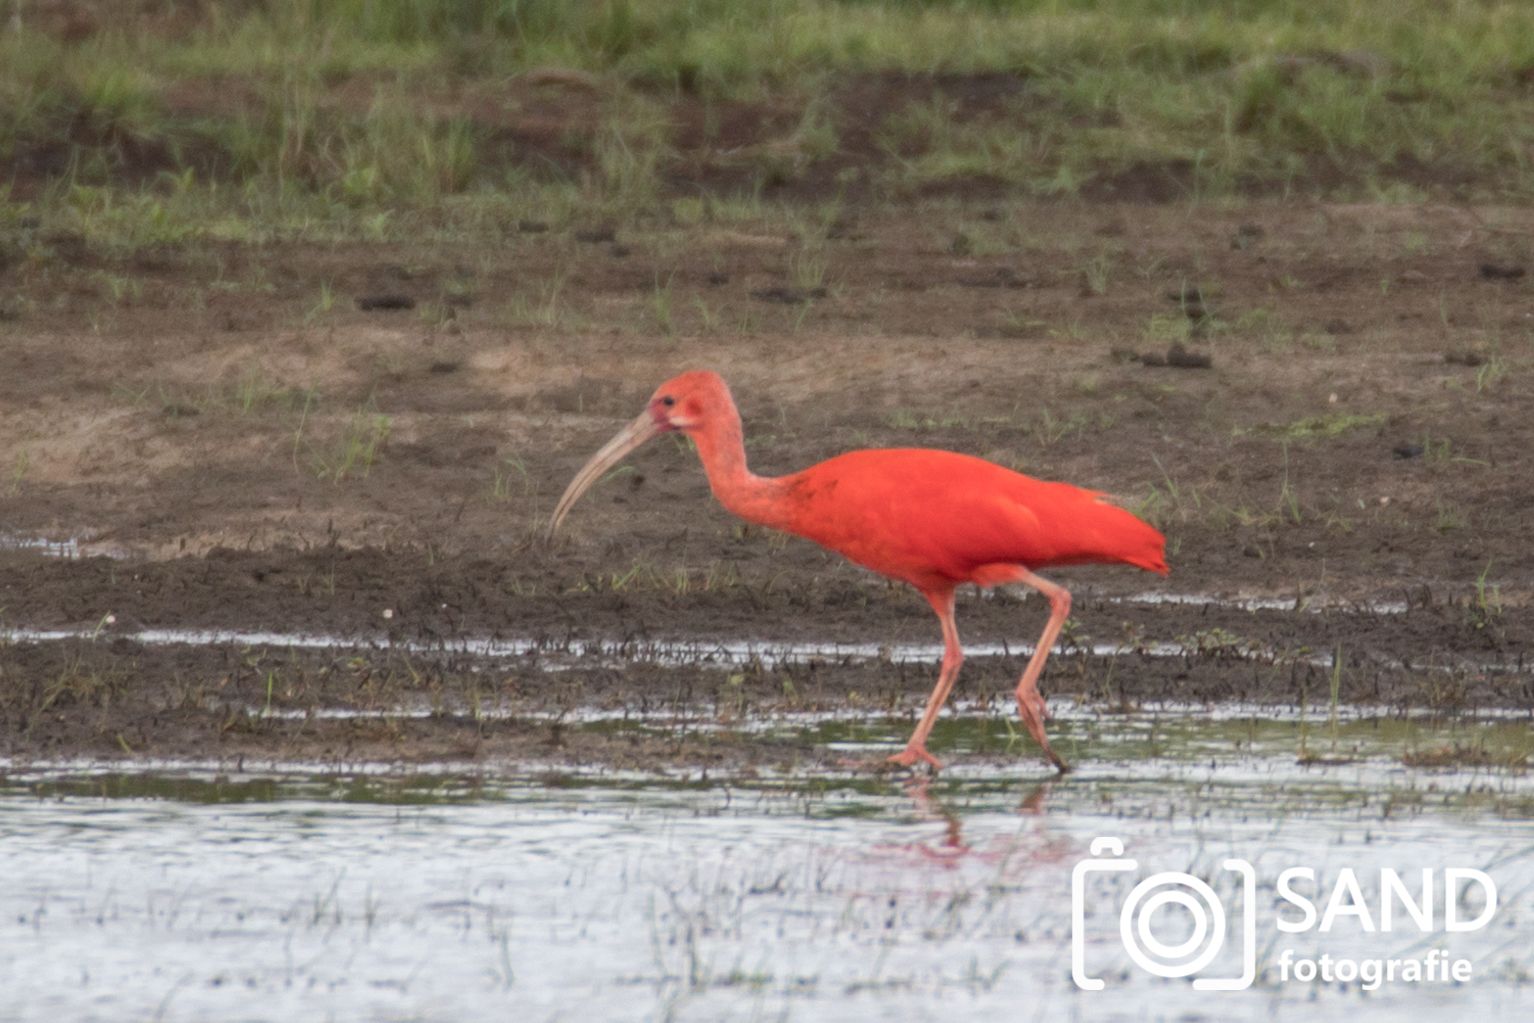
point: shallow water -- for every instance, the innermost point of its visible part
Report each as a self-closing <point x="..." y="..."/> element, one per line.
<point x="553" y="656"/>
<point x="68" y="548"/>
<point x="185" y="894"/>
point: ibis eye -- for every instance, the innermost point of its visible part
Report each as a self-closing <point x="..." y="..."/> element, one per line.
<point x="668" y="401"/>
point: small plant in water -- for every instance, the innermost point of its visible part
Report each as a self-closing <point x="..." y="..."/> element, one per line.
<point x="1217" y="642"/>
<point x="1485" y="611"/>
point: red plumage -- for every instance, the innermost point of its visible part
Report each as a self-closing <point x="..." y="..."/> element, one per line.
<point x="929" y="517"/>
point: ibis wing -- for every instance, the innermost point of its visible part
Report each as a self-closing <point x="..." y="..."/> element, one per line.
<point x="921" y="515"/>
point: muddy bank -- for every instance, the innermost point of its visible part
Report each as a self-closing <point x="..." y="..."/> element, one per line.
<point x="540" y="594"/>
<point x="422" y="694"/>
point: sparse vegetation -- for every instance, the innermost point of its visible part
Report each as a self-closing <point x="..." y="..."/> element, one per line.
<point x="1490" y="374"/>
<point x="20" y="466"/>
<point x="1448" y="517"/>
<point x="543" y="304"/>
<point x="307" y="119"/>
<point x="511" y="479"/>
<point x="1323" y="427"/>
<point x="660" y="305"/>
<point x="1096" y="274"/>
<point x="249" y="392"/>
<point x="807" y="267"/>
<point x="1485" y="608"/>
<point x="354" y="451"/>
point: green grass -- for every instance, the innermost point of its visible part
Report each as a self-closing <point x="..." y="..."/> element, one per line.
<point x="661" y="305"/>
<point x="1326" y="427"/>
<point x="511" y="479"/>
<point x="351" y="454"/>
<point x="21" y="465"/>
<point x="363" y="119"/>
<point x="252" y="392"/>
<point x="1484" y="610"/>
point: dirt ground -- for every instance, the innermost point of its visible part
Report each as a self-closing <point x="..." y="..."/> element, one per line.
<point x="232" y="441"/>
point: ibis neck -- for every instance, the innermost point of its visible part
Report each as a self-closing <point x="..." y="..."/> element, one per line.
<point x="754" y="498"/>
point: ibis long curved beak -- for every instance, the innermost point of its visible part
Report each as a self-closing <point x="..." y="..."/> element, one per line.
<point x="613" y="452"/>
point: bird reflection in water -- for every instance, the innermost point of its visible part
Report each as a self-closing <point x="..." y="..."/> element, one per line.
<point x="1030" y="845"/>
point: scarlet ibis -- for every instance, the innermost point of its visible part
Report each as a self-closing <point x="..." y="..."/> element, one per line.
<point x="934" y="519"/>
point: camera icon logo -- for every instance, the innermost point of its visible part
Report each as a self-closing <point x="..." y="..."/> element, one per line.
<point x="1137" y="917"/>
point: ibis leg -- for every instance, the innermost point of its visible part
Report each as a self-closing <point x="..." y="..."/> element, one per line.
<point x="916" y="749"/>
<point x="1030" y="705"/>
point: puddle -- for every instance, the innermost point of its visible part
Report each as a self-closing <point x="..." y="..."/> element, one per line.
<point x="768" y="719"/>
<point x="190" y="893"/>
<point x="556" y="655"/>
<point x="51" y="548"/>
<point x="70" y="547"/>
<point x="724" y="653"/>
<point x="1315" y="604"/>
